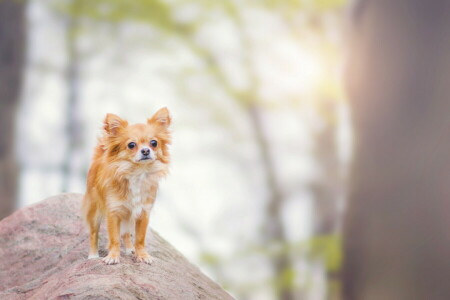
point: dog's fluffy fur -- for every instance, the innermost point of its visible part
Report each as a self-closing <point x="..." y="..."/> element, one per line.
<point x="128" y="163"/>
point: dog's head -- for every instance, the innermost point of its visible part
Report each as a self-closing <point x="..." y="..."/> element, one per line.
<point x="139" y="143"/>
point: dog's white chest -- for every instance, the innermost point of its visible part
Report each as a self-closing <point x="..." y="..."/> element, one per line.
<point x="139" y="192"/>
<point x="137" y="188"/>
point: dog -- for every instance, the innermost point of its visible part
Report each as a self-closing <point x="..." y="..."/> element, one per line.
<point x="128" y="163"/>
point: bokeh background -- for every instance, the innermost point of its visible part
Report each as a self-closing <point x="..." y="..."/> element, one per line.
<point x="262" y="138"/>
<point x="283" y="186"/>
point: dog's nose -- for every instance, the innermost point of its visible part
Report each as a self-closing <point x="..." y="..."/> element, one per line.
<point x="145" y="151"/>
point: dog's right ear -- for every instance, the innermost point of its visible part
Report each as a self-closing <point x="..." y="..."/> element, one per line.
<point x="113" y="124"/>
<point x="161" y="118"/>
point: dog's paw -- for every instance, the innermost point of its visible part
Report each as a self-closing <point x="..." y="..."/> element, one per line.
<point x="111" y="259"/>
<point x="143" y="256"/>
<point x="145" y="259"/>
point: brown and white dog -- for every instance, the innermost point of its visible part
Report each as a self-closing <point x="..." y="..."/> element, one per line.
<point x="128" y="163"/>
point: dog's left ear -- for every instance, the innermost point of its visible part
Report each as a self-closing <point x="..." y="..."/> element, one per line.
<point x="113" y="124"/>
<point x="161" y="118"/>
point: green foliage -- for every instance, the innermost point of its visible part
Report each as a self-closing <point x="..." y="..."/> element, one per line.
<point x="310" y="5"/>
<point x="210" y="259"/>
<point x="286" y="280"/>
<point x="329" y="4"/>
<point x="327" y="248"/>
<point x="227" y="6"/>
<point x="154" y="12"/>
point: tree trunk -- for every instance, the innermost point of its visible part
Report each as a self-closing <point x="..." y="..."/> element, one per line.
<point x="326" y="190"/>
<point x="73" y="115"/>
<point x="274" y="231"/>
<point x="12" y="44"/>
<point x="397" y="228"/>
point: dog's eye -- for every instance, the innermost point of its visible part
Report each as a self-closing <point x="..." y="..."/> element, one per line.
<point x="131" y="145"/>
<point x="153" y="143"/>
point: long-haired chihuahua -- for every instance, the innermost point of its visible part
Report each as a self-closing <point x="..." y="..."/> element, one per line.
<point x="128" y="163"/>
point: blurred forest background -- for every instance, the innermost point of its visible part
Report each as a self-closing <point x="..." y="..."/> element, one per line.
<point x="262" y="141"/>
<point x="261" y="129"/>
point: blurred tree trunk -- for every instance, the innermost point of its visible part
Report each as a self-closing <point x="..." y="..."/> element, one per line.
<point x="72" y="76"/>
<point x="326" y="190"/>
<point x="12" y="45"/>
<point x="274" y="229"/>
<point x="397" y="231"/>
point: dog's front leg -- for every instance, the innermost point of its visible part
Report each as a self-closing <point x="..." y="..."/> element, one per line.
<point x="113" y="224"/>
<point x="141" y="230"/>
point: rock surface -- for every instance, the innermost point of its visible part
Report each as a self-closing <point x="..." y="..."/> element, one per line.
<point x="43" y="250"/>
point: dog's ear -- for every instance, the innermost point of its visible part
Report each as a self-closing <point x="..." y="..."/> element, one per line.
<point x="113" y="124"/>
<point x="161" y="118"/>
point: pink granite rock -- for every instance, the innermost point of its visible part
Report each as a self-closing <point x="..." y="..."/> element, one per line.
<point x="43" y="250"/>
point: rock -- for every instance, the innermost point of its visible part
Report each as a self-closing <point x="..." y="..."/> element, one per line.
<point x="43" y="251"/>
